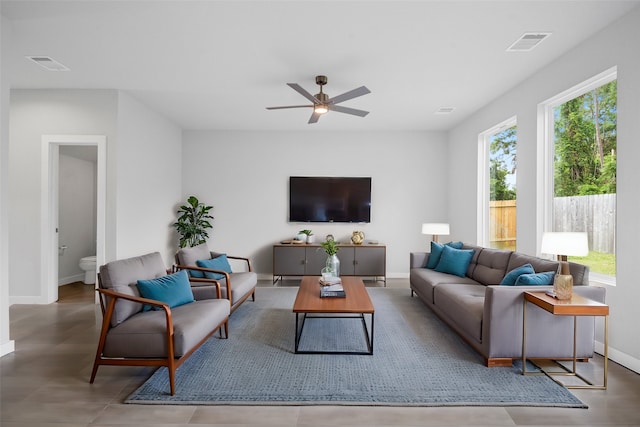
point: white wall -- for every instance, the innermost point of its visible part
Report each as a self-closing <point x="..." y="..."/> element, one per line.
<point x="77" y="214"/>
<point x="245" y="176"/>
<point x="143" y="175"/>
<point x="615" y="46"/>
<point x="6" y="344"/>
<point x="33" y="114"/>
<point x="149" y="180"/>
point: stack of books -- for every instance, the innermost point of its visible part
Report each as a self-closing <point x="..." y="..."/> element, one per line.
<point x="331" y="288"/>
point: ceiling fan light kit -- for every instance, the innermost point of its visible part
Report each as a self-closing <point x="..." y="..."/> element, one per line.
<point x="322" y="104"/>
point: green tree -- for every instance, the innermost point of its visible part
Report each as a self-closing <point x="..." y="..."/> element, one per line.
<point x="502" y="163"/>
<point x="585" y="143"/>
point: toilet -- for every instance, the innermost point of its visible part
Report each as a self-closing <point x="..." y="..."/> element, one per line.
<point x="88" y="264"/>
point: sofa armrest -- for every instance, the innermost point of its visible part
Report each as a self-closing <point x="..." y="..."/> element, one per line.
<point x="549" y="336"/>
<point x="418" y="259"/>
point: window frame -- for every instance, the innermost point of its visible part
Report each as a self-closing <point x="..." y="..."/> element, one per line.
<point x="484" y="181"/>
<point x="546" y="151"/>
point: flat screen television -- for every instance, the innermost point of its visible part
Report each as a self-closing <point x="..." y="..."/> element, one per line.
<point x="329" y="199"/>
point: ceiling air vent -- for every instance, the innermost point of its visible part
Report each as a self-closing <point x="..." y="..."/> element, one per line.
<point x="48" y="63"/>
<point x="445" y="110"/>
<point x="527" y="42"/>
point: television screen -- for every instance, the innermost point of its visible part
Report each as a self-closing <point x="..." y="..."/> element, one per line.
<point x="329" y="199"/>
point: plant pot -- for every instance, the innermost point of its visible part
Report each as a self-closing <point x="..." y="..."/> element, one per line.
<point x="311" y="238"/>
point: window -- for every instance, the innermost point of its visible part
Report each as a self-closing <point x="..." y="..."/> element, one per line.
<point x="581" y="166"/>
<point x="498" y="192"/>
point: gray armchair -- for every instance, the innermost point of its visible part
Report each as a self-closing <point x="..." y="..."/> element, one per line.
<point x="235" y="286"/>
<point x="148" y="332"/>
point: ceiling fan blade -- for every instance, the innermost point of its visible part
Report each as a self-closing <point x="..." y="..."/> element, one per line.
<point x="362" y="90"/>
<point x="314" y="117"/>
<point x="341" y="109"/>
<point x="289" y="106"/>
<point x="303" y="92"/>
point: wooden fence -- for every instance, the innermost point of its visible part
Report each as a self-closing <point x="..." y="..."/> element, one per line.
<point x="594" y="214"/>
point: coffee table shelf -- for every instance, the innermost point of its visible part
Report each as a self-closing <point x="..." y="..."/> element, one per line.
<point x="354" y="306"/>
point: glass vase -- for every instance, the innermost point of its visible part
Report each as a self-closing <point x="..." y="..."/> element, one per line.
<point x="333" y="264"/>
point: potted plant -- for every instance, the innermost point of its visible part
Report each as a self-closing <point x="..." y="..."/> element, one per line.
<point x="333" y="262"/>
<point x="308" y="235"/>
<point x="192" y="223"/>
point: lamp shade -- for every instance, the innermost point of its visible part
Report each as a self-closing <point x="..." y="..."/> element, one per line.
<point x="435" y="228"/>
<point x="565" y="243"/>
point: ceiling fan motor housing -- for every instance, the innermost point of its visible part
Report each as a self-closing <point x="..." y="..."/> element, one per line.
<point x="321" y="80"/>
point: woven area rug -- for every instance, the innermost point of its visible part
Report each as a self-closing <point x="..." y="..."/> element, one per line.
<point x="417" y="361"/>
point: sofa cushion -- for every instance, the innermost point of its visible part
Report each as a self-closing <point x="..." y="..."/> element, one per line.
<point x="145" y="335"/>
<point x="464" y="305"/>
<point x="424" y="280"/>
<point x="436" y="252"/>
<point x="512" y="276"/>
<point x="123" y="275"/>
<point x="173" y="289"/>
<point x="220" y="263"/>
<point x="189" y="256"/>
<point x="539" y="265"/>
<point x="474" y="260"/>
<point x="545" y="278"/>
<point x="454" y="261"/>
<point x="491" y="266"/>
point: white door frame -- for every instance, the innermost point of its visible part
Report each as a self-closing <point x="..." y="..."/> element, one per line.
<point x="49" y="206"/>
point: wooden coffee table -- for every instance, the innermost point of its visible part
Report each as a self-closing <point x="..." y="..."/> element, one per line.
<point x="355" y="305"/>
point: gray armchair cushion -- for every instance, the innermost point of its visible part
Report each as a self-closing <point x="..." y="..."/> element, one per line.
<point x="189" y="256"/>
<point x="242" y="283"/>
<point x="145" y="334"/>
<point x="122" y="276"/>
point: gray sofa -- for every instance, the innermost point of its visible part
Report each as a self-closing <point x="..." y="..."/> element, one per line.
<point x="488" y="316"/>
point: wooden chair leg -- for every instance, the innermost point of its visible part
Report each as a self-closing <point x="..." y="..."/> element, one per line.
<point x="172" y="377"/>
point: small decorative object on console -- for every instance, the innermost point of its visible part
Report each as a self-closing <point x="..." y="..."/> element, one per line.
<point x="357" y="237"/>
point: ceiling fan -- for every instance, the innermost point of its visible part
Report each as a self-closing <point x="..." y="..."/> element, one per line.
<point x="322" y="104"/>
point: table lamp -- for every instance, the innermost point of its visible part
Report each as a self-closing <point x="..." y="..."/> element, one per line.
<point x="563" y="244"/>
<point x="435" y="229"/>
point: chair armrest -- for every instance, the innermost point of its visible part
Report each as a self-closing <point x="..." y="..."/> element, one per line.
<point x="114" y="296"/>
<point x="213" y="282"/>
<point x="141" y="300"/>
<point x="242" y="259"/>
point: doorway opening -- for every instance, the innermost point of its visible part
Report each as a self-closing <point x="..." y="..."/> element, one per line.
<point x="52" y="246"/>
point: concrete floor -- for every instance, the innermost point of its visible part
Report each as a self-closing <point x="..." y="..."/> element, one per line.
<point x="45" y="382"/>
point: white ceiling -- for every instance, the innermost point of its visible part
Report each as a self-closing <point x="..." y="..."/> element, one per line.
<point x="217" y="64"/>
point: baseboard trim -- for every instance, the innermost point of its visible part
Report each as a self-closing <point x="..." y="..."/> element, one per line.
<point x="70" y="279"/>
<point x="619" y="357"/>
<point x="7" y="347"/>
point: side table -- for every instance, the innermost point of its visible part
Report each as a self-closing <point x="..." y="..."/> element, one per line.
<point x="576" y="306"/>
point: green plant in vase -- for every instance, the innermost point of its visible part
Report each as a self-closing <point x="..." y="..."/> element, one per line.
<point x="308" y="235"/>
<point x="333" y="262"/>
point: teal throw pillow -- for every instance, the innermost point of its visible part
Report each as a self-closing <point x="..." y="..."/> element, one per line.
<point x="173" y="290"/>
<point x="454" y="261"/>
<point x="512" y="276"/>
<point x="545" y="278"/>
<point x="196" y="274"/>
<point x="436" y="252"/>
<point x="220" y="263"/>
